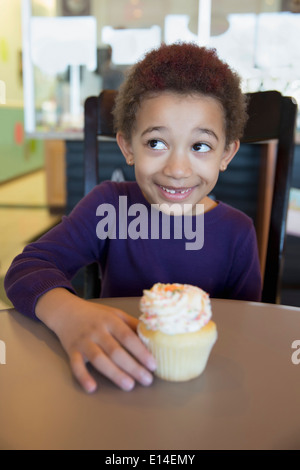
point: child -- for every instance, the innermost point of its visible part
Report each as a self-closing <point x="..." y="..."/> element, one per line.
<point x="179" y="116"/>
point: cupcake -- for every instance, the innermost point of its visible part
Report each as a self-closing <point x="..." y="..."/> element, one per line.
<point x="176" y="327"/>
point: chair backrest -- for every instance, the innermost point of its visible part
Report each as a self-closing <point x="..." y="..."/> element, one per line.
<point x="271" y="126"/>
<point x="272" y="122"/>
<point x="98" y="122"/>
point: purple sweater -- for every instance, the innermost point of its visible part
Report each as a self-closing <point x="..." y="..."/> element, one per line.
<point x="226" y="266"/>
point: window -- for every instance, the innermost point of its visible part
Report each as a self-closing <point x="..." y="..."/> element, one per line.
<point x="259" y="39"/>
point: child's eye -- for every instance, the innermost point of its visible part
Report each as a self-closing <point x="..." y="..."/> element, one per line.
<point x="156" y="144"/>
<point x="201" y="147"/>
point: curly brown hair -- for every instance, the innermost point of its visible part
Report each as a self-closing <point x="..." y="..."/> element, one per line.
<point x="185" y="69"/>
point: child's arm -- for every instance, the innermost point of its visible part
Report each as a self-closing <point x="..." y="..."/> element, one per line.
<point x="99" y="334"/>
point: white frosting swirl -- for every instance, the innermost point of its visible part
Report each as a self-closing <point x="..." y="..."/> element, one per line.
<point x="175" y="308"/>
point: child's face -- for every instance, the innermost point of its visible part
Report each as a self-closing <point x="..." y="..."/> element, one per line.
<point x="178" y="148"/>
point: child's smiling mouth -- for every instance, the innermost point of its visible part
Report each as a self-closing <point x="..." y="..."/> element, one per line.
<point x="173" y="193"/>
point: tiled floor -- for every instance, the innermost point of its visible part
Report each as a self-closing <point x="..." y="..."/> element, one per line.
<point x="23" y="216"/>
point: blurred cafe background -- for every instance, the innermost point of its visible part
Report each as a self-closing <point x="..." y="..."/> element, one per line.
<point x="56" y="53"/>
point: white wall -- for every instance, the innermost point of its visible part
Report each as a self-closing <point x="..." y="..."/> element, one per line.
<point x="10" y="50"/>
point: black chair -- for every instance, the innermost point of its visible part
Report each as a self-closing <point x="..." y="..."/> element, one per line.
<point x="271" y="127"/>
<point x="272" y="122"/>
<point x="98" y="123"/>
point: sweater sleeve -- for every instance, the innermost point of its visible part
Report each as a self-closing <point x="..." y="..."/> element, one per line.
<point x="54" y="259"/>
<point x="245" y="276"/>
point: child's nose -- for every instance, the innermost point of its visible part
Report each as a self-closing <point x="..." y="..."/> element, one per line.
<point x="178" y="166"/>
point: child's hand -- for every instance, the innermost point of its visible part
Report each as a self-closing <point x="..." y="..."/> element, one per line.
<point x="99" y="334"/>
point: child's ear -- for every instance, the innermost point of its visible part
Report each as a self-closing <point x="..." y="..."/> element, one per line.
<point x="228" y="154"/>
<point x="126" y="148"/>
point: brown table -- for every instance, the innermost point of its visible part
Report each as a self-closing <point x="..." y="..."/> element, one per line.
<point x="248" y="397"/>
